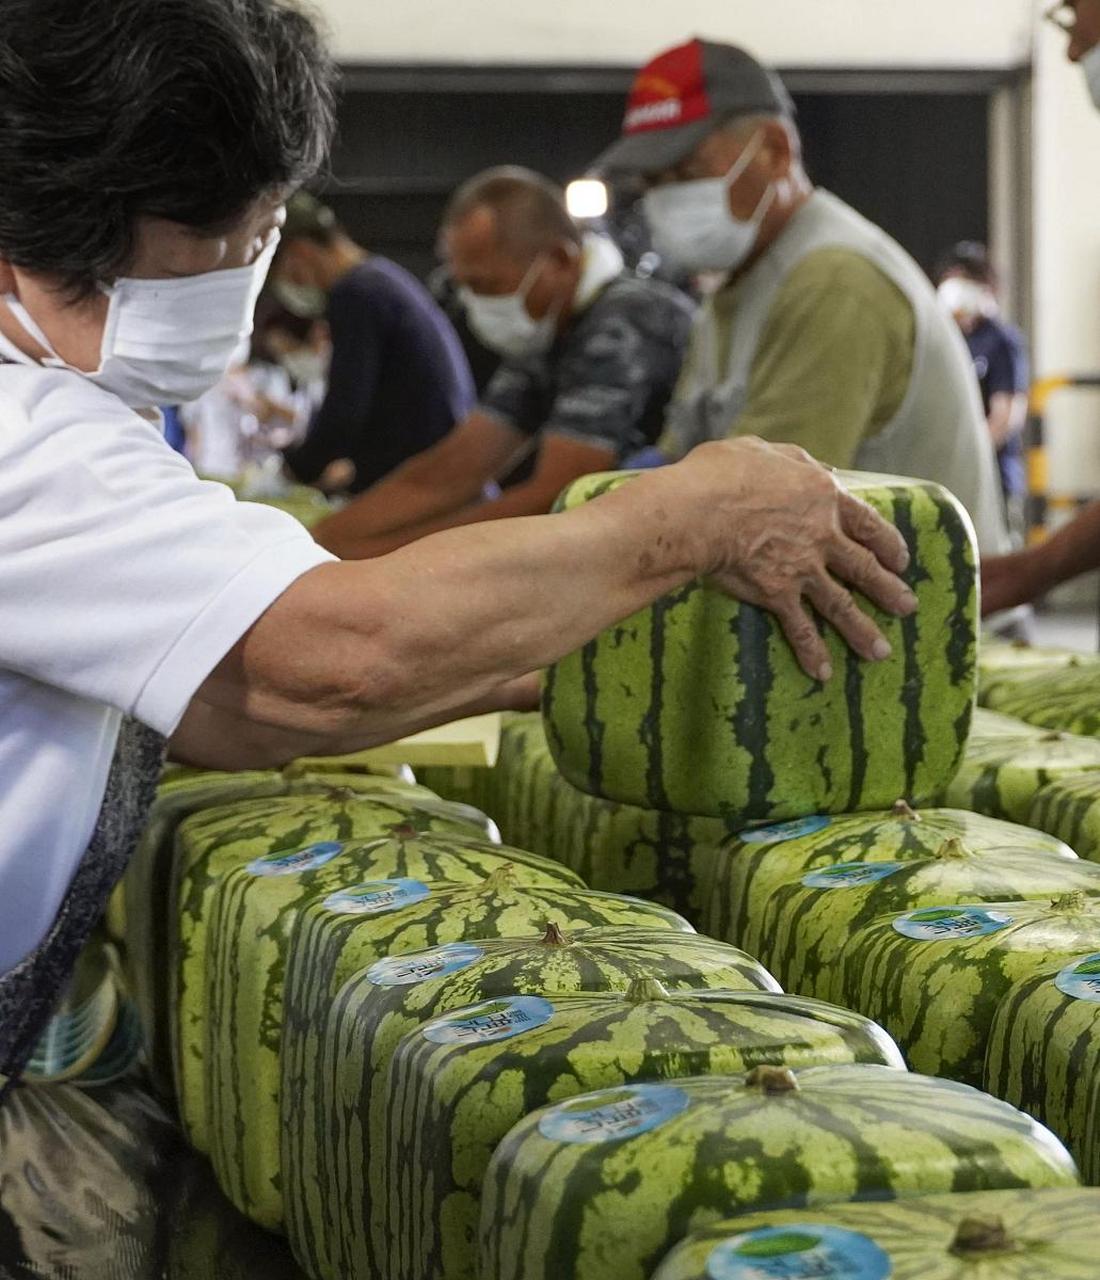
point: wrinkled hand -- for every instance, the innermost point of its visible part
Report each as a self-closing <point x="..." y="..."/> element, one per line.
<point x="780" y="532"/>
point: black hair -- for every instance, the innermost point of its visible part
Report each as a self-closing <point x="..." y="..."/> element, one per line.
<point x="530" y="209"/>
<point x="188" y="110"/>
<point x="970" y="257"/>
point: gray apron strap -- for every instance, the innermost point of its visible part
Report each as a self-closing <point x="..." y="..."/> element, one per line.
<point x="30" y="991"/>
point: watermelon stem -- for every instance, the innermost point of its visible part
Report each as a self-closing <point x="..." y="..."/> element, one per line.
<point x="642" y="990"/>
<point x="953" y="848"/>
<point x="504" y="877"/>
<point x="553" y="937"/>
<point x="1071" y="903"/>
<point x="981" y="1234"/>
<point x="772" y="1080"/>
<point x="903" y="810"/>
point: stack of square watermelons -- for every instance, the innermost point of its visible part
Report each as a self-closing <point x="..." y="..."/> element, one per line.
<point x="424" y="1055"/>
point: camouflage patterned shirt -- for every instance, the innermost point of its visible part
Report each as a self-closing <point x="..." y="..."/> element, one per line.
<point x="609" y="377"/>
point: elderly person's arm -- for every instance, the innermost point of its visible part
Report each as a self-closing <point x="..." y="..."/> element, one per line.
<point x="355" y="654"/>
<point x="1025" y="575"/>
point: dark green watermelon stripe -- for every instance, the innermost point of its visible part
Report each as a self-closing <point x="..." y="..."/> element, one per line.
<point x="750" y="721"/>
<point x="914" y="735"/>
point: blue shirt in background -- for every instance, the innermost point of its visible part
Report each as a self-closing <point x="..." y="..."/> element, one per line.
<point x="1001" y="363"/>
<point x="173" y="429"/>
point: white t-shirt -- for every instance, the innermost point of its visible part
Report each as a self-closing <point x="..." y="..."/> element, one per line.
<point x="124" y="580"/>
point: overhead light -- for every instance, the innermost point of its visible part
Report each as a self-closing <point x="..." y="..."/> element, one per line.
<point x="586" y="198"/>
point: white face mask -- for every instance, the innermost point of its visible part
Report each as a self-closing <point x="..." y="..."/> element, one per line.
<point x="691" y="223"/>
<point x="306" y="368"/>
<point x="503" y="323"/>
<point x="306" y="301"/>
<point x="966" y="298"/>
<point x="167" y="342"/>
<point x="1090" y="65"/>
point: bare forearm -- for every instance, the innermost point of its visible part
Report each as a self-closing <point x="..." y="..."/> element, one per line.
<point x="373" y="649"/>
<point x="212" y="737"/>
<point x="524" y="500"/>
<point x="415" y="493"/>
<point x="366" y="651"/>
<point x="1019" y="578"/>
<point x="1074" y="549"/>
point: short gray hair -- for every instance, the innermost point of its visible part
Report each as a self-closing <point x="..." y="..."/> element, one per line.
<point x="530" y="209"/>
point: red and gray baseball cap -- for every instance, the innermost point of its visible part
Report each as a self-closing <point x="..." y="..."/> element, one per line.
<point x="684" y="93"/>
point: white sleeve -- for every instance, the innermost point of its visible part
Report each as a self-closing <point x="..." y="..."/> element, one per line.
<point x="124" y="579"/>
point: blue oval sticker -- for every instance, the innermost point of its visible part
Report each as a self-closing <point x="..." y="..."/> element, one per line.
<point x="948" y="924"/>
<point x="376" y="897"/>
<point x="490" y="1021"/>
<point x="296" y="861"/>
<point x="1081" y="979"/>
<point x="799" y="1252"/>
<point x="784" y="830"/>
<point x="850" y="875"/>
<point x="611" y="1115"/>
<point x="423" y="966"/>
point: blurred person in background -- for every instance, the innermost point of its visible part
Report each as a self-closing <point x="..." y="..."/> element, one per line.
<point x="398" y="379"/>
<point x="1075" y="549"/>
<point x="591" y="354"/>
<point x="301" y="350"/>
<point x="824" y="332"/>
<point x="967" y="286"/>
<point x="484" y="361"/>
<point x="215" y="425"/>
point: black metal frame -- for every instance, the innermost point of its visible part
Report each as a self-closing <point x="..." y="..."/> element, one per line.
<point x="554" y="78"/>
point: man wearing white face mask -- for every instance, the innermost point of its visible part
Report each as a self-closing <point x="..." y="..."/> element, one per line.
<point x="591" y="356"/>
<point x="824" y="331"/>
<point x="147" y="147"/>
<point x="397" y="380"/>
<point x="967" y="288"/>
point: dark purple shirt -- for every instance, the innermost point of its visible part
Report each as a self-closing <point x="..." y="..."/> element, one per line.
<point x="399" y="381"/>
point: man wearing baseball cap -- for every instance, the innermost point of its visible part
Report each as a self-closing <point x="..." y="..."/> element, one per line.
<point x="824" y="332"/>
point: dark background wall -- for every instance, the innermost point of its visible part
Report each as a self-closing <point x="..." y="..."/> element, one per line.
<point x="911" y="155"/>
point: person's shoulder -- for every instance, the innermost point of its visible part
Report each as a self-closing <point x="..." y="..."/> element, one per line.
<point x="839" y="281"/>
<point x="1008" y="334"/>
<point x="835" y="267"/>
<point x="51" y="399"/>
<point x="650" y="307"/>
<point x="384" y="276"/>
<point x="631" y="294"/>
<point x="373" y="279"/>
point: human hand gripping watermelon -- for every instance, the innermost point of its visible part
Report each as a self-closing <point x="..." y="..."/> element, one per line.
<point x="786" y="534"/>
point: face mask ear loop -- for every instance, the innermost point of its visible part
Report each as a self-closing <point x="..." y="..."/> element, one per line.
<point x="529" y="278"/>
<point x="737" y="169"/>
<point x="32" y="328"/>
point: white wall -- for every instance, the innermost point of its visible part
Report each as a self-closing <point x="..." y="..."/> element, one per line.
<point x="850" y="33"/>
<point x="1066" y="235"/>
